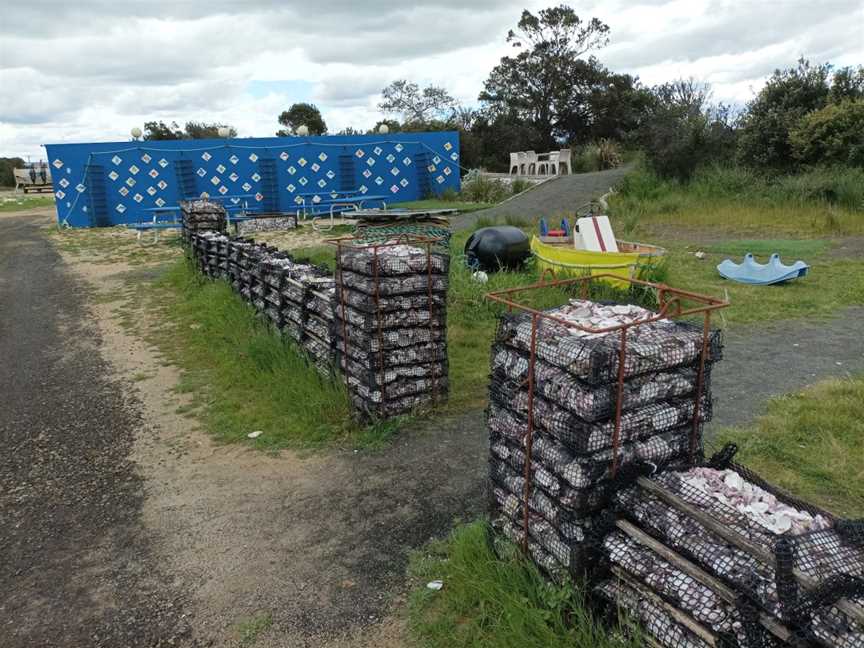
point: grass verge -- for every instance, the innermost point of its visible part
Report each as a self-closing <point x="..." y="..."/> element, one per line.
<point x="492" y="603"/>
<point x="20" y="202"/>
<point x="246" y="376"/>
<point x="463" y="206"/>
<point x="812" y="444"/>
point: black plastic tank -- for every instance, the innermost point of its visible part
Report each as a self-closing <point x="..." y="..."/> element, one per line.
<point x="495" y="248"/>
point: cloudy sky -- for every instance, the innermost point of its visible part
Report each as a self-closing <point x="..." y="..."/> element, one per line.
<point x="91" y="70"/>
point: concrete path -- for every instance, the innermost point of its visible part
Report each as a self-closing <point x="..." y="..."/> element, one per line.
<point x="554" y="198"/>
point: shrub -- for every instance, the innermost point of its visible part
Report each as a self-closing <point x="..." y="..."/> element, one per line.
<point x="608" y="154"/>
<point x="484" y="190"/>
<point x="519" y="185"/>
<point x="832" y="135"/>
<point x="596" y="156"/>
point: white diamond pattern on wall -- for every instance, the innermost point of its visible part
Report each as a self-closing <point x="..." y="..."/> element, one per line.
<point x="431" y="168"/>
<point x="394" y="171"/>
<point x="359" y="153"/>
<point x="292" y="170"/>
<point x="246" y="186"/>
<point x="63" y="182"/>
<point x="215" y="180"/>
<point x="403" y="182"/>
<point x="130" y="182"/>
<point x="60" y="194"/>
<point x="223" y="190"/>
<point x="123" y="191"/>
<point x="221" y="168"/>
<point x="447" y="146"/>
<point x="233" y="159"/>
<point x="406" y="160"/>
<point x="58" y="163"/>
<point x="259" y="196"/>
<point x="255" y="177"/>
<point x="298" y="200"/>
<point x="283" y="156"/>
<point x="134" y="170"/>
<point x="120" y="208"/>
<point x="377" y="150"/>
<point x="146" y="159"/>
<point x="302" y="181"/>
<point x="447" y="170"/>
<point x="153" y="173"/>
<point x="302" y="162"/>
<point x="160" y="202"/>
<point x="80" y="188"/>
<point x="393" y="189"/>
<point x="163" y="163"/>
<point x="322" y="156"/>
<point x="253" y="158"/>
<point x="116" y="160"/>
<point x="201" y="172"/>
<point x="290" y="188"/>
<point x="439" y="179"/>
<point x="454" y="156"/>
<point x="113" y="175"/>
<point x="379" y="181"/>
<point x="137" y="197"/>
<point x="151" y="191"/>
<point x="206" y="156"/>
<point x="316" y="199"/>
<point x="366" y="173"/>
<point x="363" y="189"/>
<point x="233" y="177"/>
<point x="436" y="160"/>
<point x="162" y="184"/>
<point x="204" y="194"/>
<point x="315" y="167"/>
<point x="370" y="161"/>
<point x="390" y="158"/>
<point x="322" y="183"/>
<point x="330" y="174"/>
<point x="398" y="148"/>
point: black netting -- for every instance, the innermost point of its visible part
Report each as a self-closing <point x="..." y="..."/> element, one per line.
<point x="361" y="301"/>
<point x="409" y="318"/>
<point x="201" y="215"/>
<point x="424" y="353"/>
<point x="594" y="358"/>
<point x="394" y="406"/>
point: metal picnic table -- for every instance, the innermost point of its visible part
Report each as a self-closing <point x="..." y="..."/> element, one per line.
<point x="336" y="199"/>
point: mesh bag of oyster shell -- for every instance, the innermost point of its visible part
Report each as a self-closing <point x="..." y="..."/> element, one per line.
<point x="388" y="374"/>
<point x="369" y="410"/>
<point x="591" y="402"/>
<point x="393" y="258"/>
<point x="594" y="357"/>
<point x="394" y="338"/>
<point x="405" y="285"/>
<point x="585" y="471"/>
<point x="396" y="389"/>
<point x="679" y="589"/>
<point x="660" y="621"/>
<point x="292" y="330"/>
<point x="364" y="302"/>
<point x="198" y="215"/>
<point x="390" y="357"/>
<point x="508" y="415"/>
<point x="372" y="321"/>
<point x="322" y="302"/>
<point x="320" y="328"/>
<point x="294" y="312"/>
<point x="319" y="353"/>
<point x="767" y="545"/>
<point x="267" y="224"/>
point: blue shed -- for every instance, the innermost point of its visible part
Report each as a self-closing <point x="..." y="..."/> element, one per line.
<point x="111" y="183"/>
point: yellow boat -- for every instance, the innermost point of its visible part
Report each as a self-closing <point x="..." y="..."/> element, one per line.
<point x="565" y="260"/>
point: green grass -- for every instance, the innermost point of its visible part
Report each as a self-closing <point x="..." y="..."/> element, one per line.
<point x="250" y="629"/>
<point x="20" y="202"/>
<point x="812" y="444"/>
<point x="788" y="249"/>
<point x="492" y="603"/>
<point x="246" y="377"/>
<point x="462" y="206"/>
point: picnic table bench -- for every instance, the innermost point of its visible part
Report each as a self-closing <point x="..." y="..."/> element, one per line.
<point x="334" y="200"/>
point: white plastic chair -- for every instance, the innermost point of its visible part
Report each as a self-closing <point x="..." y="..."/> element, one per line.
<point x="514" y="164"/>
<point x="522" y="156"/>
<point x="564" y="162"/>
<point x="530" y="163"/>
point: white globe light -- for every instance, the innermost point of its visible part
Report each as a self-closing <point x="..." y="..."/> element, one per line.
<point x="224" y="131"/>
<point x="383" y="129"/>
<point x="136" y="132"/>
<point x="303" y="130"/>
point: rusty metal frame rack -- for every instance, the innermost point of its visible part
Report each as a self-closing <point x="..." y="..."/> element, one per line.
<point x="671" y="305"/>
<point x="357" y="242"/>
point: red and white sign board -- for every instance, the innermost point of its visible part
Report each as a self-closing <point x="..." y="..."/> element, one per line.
<point x="596" y="234"/>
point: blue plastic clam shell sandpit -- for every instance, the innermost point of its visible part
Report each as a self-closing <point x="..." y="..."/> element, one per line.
<point x="761" y="274"/>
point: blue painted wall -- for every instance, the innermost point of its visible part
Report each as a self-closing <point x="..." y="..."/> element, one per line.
<point x="112" y="183"/>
